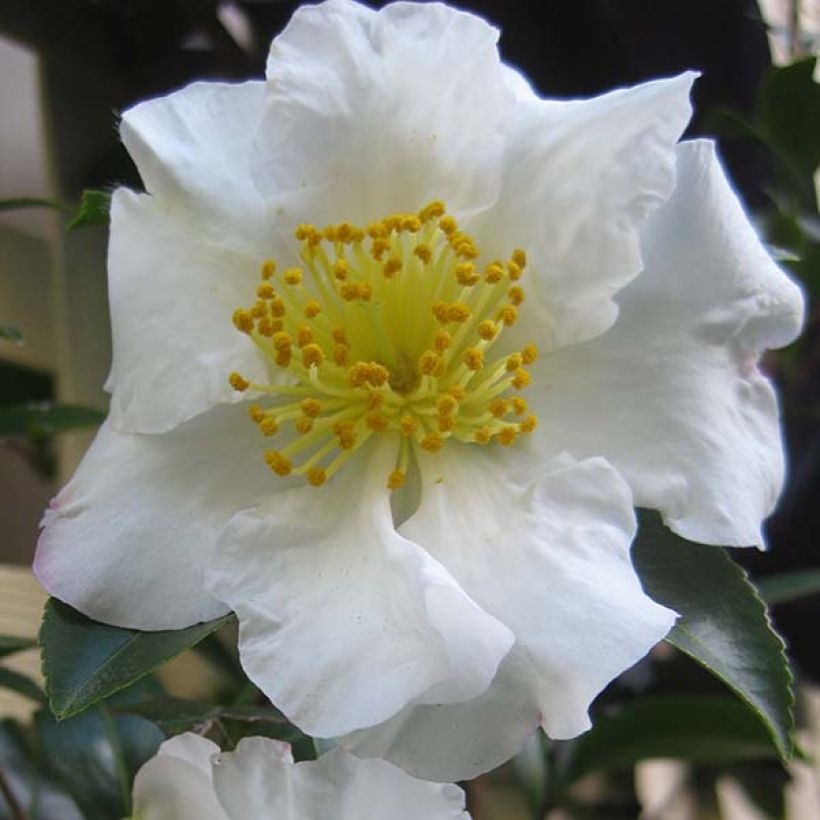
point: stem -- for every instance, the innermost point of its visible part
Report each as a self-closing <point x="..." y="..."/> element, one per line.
<point x="17" y="811"/>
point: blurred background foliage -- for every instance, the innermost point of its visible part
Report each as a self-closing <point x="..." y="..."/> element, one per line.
<point x="96" y="57"/>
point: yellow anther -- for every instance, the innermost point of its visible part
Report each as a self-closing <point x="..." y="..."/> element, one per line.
<point x="487" y="330"/>
<point x="265" y="291"/>
<point x="312" y="309"/>
<point x="529" y="354"/>
<point x="345" y="431"/>
<point x="411" y="223"/>
<point x="520" y="258"/>
<point x="474" y="358"/>
<point x="379" y="247"/>
<point x="529" y="424"/>
<point x="349" y="291"/>
<point x="465" y="248"/>
<point x="363" y="374"/>
<point x="483" y="435"/>
<point x="514" y="361"/>
<point x="408" y="425"/>
<point x="278" y="463"/>
<point x="303" y="425"/>
<point x="345" y="232"/>
<point x="238" y="382"/>
<point x="243" y="320"/>
<point x="458" y="393"/>
<point x="519" y="405"/>
<point x="377" y="230"/>
<point x="493" y="273"/>
<point x="395" y="480"/>
<point x="277" y="307"/>
<point x="466" y="274"/>
<point x="498" y="407"/>
<point x="508" y="314"/>
<point x="265" y="327"/>
<point x="448" y="225"/>
<point x="393" y="222"/>
<point x="304" y="336"/>
<point x="339" y="335"/>
<point x="507" y="435"/>
<point x="256" y="413"/>
<point x="312" y="355"/>
<point x="432" y="210"/>
<point x="374" y="401"/>
<point x="377" y="422"/>
<point x="424" y="253"/>
<point x="391" y="267"/>
<point x="341" y="354"/>
<point x="432" y="442"/>
<point x="277" y="325"/>
<point x="446" y="405"/>
<point x="516" y="295"/>
<point x="293" y="276"/>
<point x="340" y="269"/>
<point x="365" y="291"/>
<point x="283" y="357"/>
<point x="513" y="271"/>
<point x="439" y="310"/>
<point x="269" y="426"/>
<point x="259" y="310"/>
<point x="268" y="269"/>
<point x="282" y="340"/>
<point x="521" y="379"/>
<point x="446" y="423"/>
<point x="442" y="340"/>
<point x="329" y="233"/>
<point x="310" y="407"/>
<point x="316" y="476"/>
<point x="304" y="232"/>
<point x="430" y="363"/>
<point x="458" y="312"/>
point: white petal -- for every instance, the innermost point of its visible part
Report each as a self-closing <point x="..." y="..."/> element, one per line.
<point x="343" y="621"/>
<point x="127" y="540"/>
<point x="173" y="288"/>
<point x="672" y="395"/>
<point x="253" y="782"/>
<point x="580" y="178"/>
<point x="193" y="148"/>
<point x="547" y="553"/>
<point x="373" y="112"/>
<point x="176" y="783"/>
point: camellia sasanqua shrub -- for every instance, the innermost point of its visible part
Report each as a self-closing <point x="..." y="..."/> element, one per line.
<point x="399" y="348"/>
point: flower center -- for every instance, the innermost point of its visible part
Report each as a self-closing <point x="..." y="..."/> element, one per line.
<point x="388" y="328"/>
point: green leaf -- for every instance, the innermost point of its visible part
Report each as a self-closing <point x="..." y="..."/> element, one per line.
<point x="44" y="418"/>
<point x="23" y="685"/>
<point x="723" y="625"/>
<point x="95" y="207"/>
<point x="788" y="586"/>
<point x="11" y="334"/>
<point x="95" y="757"/>
<point x="10" y="644"/>
<point x="25" y="202"/>
<point x="85" y="661"/>
<point x="699" y="729"/>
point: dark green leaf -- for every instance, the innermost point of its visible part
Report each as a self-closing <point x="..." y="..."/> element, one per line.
<point x="11" y="334"/>
<point x="698" y="729"/>
<point x="788" y="111"/>
<point x="788" y="586"/>
<point x="10" y="644"/>
<point x="34" y="793"/>
<point x="25" y="202"/>
<point x="95" y="757"/>
<point x="23" y="685"/>
<point x="44" y="418"/>
<point x="723" y="625"/>
<point x="94" y="209"/>
<point x="85" y="661"/>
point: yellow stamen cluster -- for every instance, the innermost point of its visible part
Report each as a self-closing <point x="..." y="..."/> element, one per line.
<point x="388" y="328"/>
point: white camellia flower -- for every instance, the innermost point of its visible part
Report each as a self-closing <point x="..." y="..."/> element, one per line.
<point x="397" y="347"/>
<point x="189" y="779"/>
